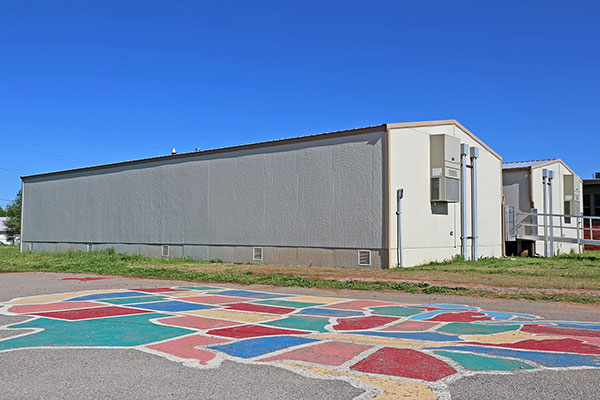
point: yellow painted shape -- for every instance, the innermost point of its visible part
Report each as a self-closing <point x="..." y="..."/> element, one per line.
<point x="506" y="337"/>
<point x="392" y="389"/>
<point x="237" y="316"/>
<point x="187" y="293"/>
<point x="377" y="340"/>
<point x="312" y="299"/>
<point x="49" y="298"/>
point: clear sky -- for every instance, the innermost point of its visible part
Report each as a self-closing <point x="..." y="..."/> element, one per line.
<point x="91" y="82"/>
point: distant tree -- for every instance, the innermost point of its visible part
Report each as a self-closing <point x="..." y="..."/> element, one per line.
<point x="2" y="212"/>
<point x="13" y="212"/>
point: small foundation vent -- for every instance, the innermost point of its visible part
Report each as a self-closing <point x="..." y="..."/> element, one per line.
<point x="165" y="251"/>
<point x="364" y="257"/>
<point x="89" y="248"/>
<point x="257" y="254"/>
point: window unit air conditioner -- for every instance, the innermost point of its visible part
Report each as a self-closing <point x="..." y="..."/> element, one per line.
<point x="444" y="168"/>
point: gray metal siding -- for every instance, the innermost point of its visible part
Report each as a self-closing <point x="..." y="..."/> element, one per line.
<point x="515" y="187"/>
<point x="325" y="193"/>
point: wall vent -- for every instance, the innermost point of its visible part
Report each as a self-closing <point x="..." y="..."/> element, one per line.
<point x="165" y="251"/>
<point x="257" y="254"/>
<point x="364" y="257"/>
<point x="30" y="246"/>
<point x="89" y="248"/>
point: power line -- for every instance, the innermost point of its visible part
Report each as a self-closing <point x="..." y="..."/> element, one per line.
<point x="10" y="170"/>
<point x="42" y="152"/>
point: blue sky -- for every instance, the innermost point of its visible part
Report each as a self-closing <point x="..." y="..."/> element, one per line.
<point x="91" y="82"/>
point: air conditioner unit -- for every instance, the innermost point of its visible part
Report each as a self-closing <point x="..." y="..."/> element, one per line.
<point x="444" y="168"/>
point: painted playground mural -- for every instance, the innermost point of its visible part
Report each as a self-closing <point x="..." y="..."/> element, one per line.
<point x="390" y="350"/>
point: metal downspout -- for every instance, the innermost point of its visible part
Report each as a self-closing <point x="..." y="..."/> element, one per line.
<point x="474" y="153"/>
<point x="399" y="195"/>
<point x="464" y="150"/>
<point x="550" y="178"/>
<point x="544" y="181"/>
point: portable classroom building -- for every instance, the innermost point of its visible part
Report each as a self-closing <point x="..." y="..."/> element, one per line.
<point x="523" y="187"/>
<point x="327" y="199"/>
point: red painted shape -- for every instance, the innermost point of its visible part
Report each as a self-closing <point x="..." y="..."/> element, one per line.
<point x="214" y="299"/>
<point x="158" y="290"/>
<point x="185" y="347"/>
<point x="590" y="340"/>
<point x="406" y="363"/>
<point x="194" y="322"/>
<point x="359" y="304"/>
<point x="260" y="308"/>
<point x="98" y="312"/>
<point x="467" y="316"/>
<point x="411" y="326"/>
<point x="67" y="305"/>
<point x="551" y="330"/>
<point x="247" y="331"/>
<point x="562" y="345"/>
<point x="329" y="353"/>
<point x="351" y="324"/>
<point x="87" y="278"/>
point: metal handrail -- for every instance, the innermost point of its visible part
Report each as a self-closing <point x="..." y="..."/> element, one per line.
<point x="583" y="223"/>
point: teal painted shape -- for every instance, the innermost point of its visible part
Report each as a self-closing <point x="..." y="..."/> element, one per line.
<point x="467" y="328"/>
<point x="130" y="330"/>
<point x="201" y="288"/>
<point x="396" y="311"/>
<point x="135" y="300"/>
<point x="286" y="303"/>
<point x="304" y="323"/>
<point x="474" y="362"/>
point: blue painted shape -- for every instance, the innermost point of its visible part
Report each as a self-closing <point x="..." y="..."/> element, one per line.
<point x="172" y="305"/>
<point x="128" y="330"/>
<point x="329" y="312"/>
<point x="578" y="325"/>
<point x="430" y="336"/>
<point x="431" y="314"/>
<point x="250" y="294"/>
<point x="115" y="295"/>
<point x="538" y="357"/>
<point x="259" y="346"/>
<point x="444" y="306"/>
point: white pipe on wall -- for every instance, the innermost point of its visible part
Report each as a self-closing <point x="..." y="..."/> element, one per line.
<point x="464" y="150"/>
<point x="399" y="196"/>
<point x="550" y="178"/>
<point x="474" y="155"/>
<point x="544" y="182"/>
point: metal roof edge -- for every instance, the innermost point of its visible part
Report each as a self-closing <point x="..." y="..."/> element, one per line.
<point x="306" y="138"/>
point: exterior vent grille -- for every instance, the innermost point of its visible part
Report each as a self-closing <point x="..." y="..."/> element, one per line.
<point x="453" y="173"/>
<point x="165" y="251"/>
<point x="30" y="246"/>
<point x="257" y="254"/>
<point x="364" y="257"/>
<point x="89" y="248"/>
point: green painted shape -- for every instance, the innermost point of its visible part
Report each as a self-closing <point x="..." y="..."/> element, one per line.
<point x="396" y="311"/>
<point x="129" y="330"/>
<point x="134" y="300"/>
<point x="199" y="288"/>
<point x="467" y="328"/>
<point x="304" y="323"/>
<point x="475" y="362"/>
<point x="287" y="303"/>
